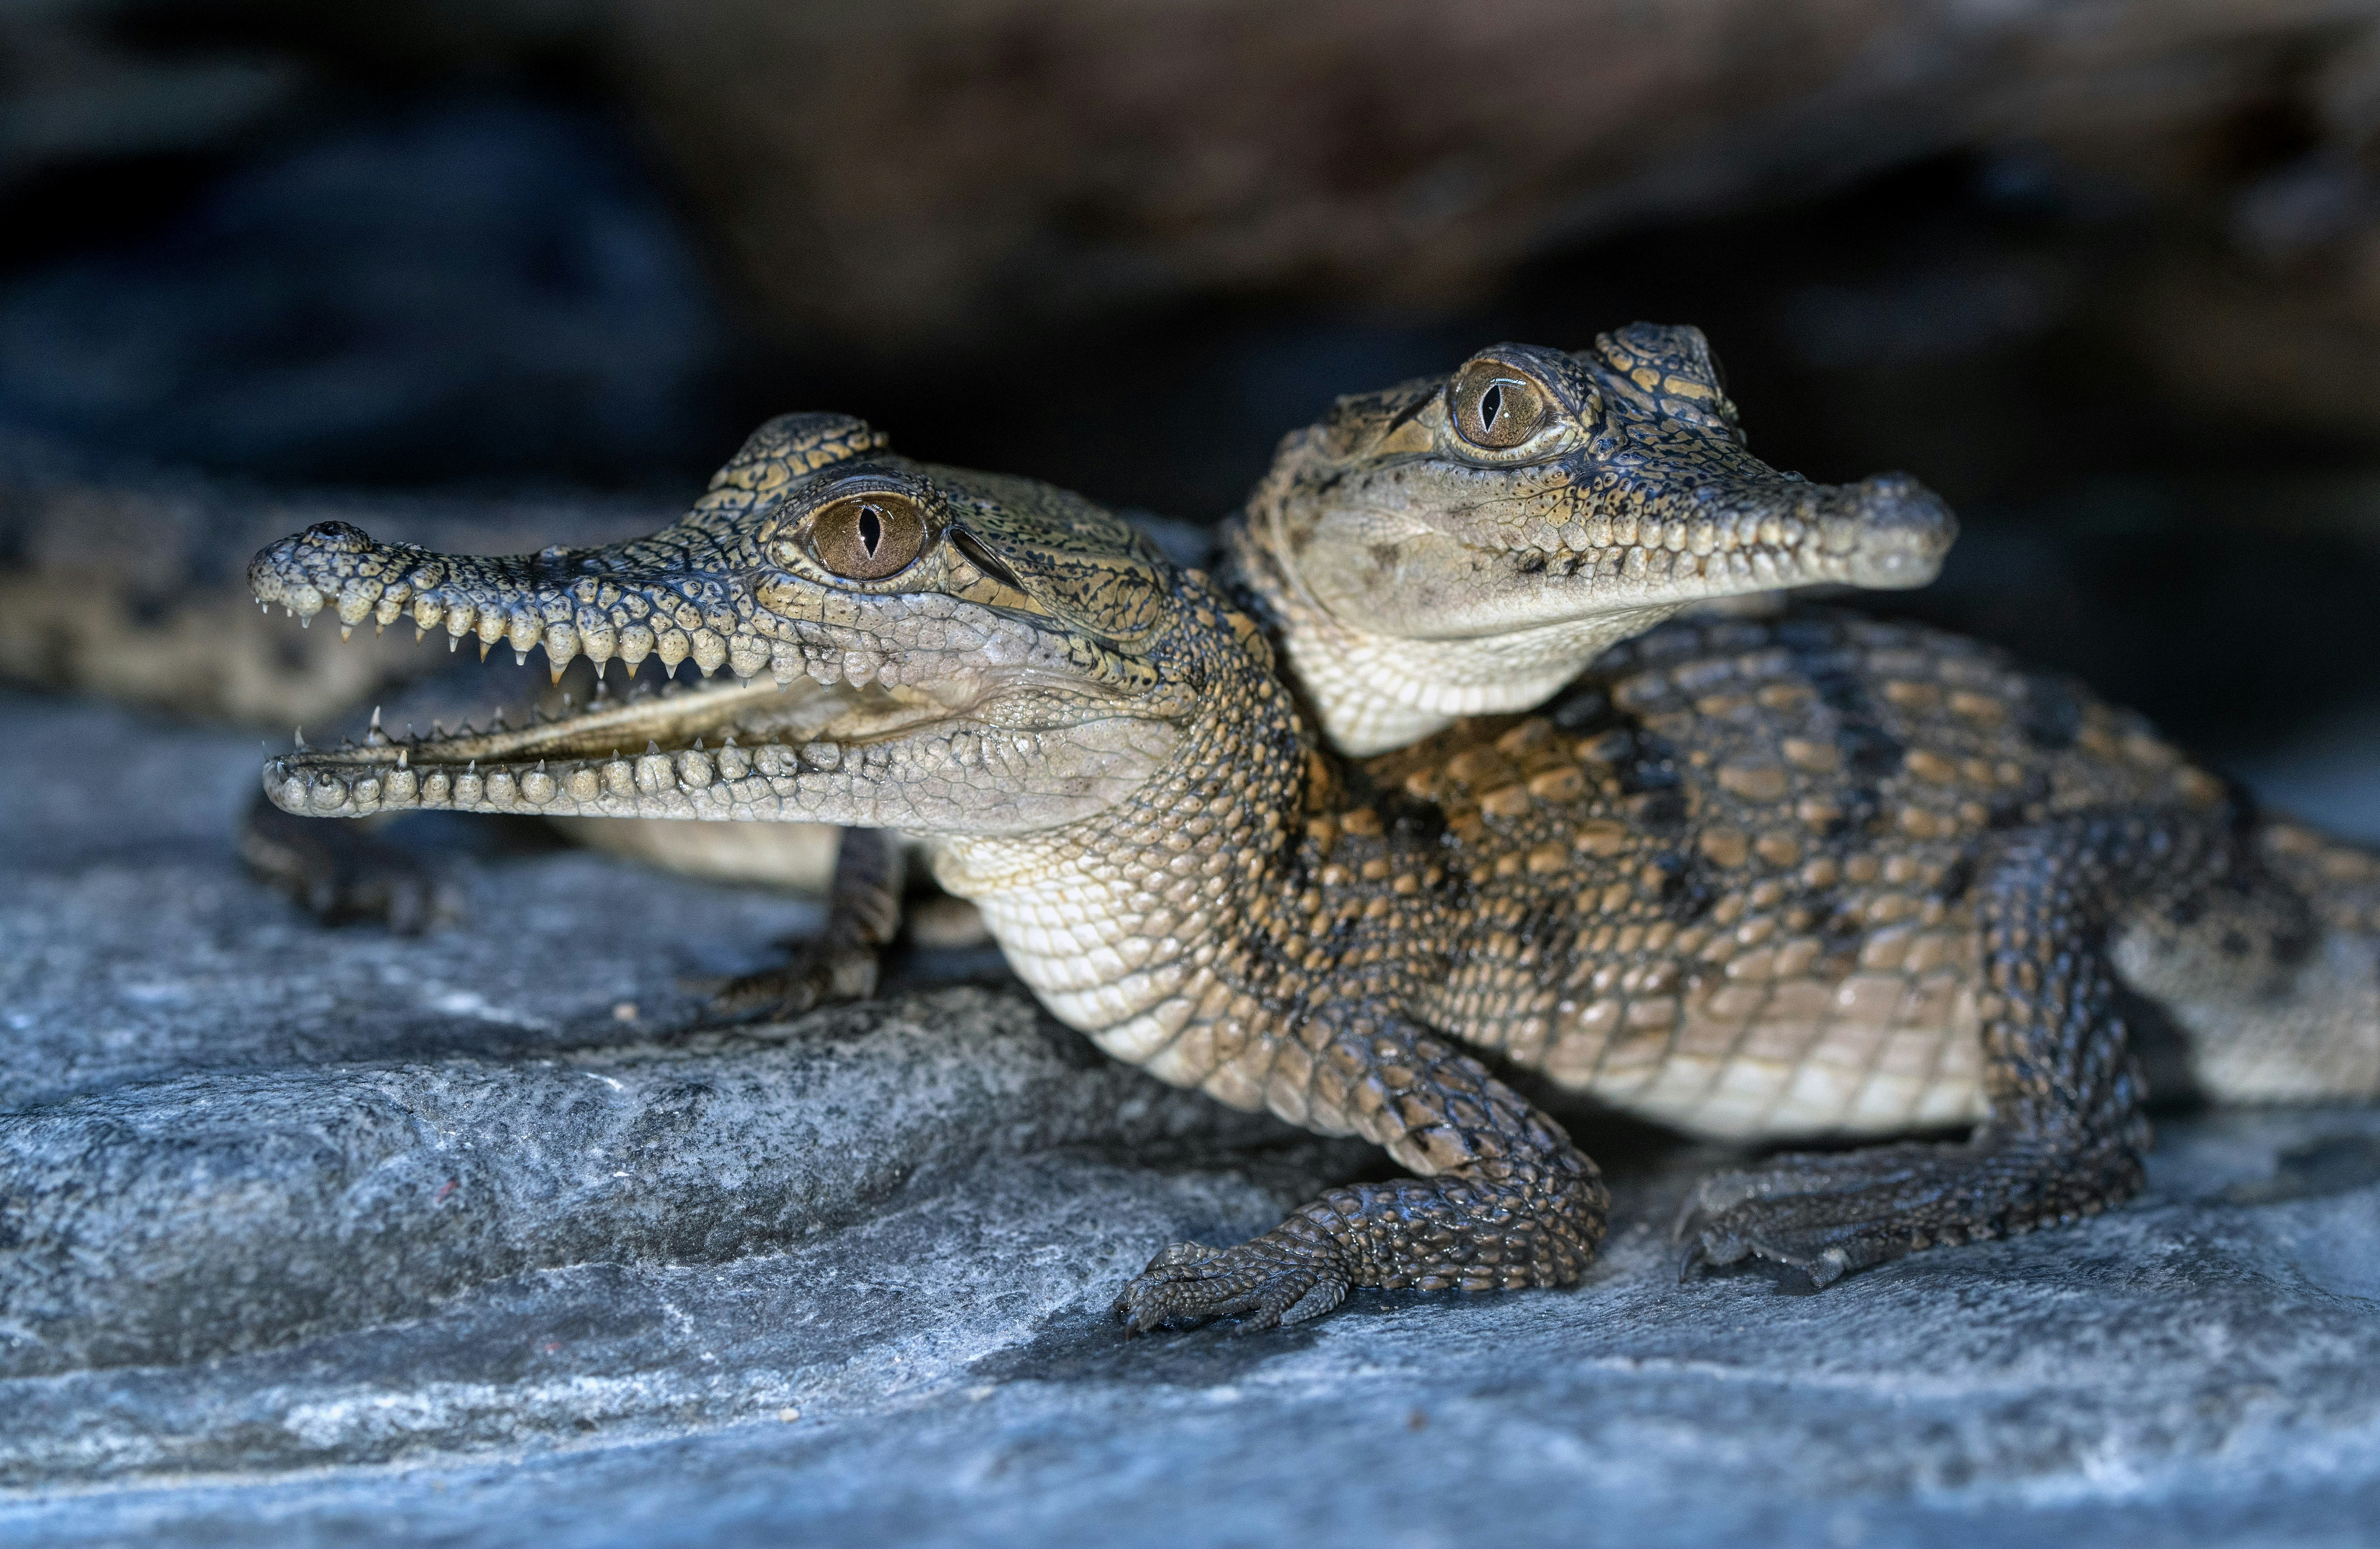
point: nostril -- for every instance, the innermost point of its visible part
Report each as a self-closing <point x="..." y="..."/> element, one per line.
<point x="1893" y="487"/>
<point x="1897" y="503"/>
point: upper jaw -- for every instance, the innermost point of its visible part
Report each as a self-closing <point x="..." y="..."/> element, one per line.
<point x="668" y="596"/>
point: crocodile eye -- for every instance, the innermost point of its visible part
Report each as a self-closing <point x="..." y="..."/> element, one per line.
<point x="868" y="537"/>
<point x="1495" y="407"/>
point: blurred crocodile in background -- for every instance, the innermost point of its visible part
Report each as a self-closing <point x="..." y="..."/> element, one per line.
<point x="1759" y="878"/>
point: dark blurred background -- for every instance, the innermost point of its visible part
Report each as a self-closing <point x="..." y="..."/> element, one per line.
<point x="2104" y="273"/>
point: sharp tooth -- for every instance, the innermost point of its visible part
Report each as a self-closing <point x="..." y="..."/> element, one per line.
<point x="347" y="633"/>
<point x="483" y="648"/>
<point x="560" y="645"/>
<point x="403" y="755"/>
<point x="307" y="622"/>
<point x="419" y="633"/>
<point x="520" y="658"/>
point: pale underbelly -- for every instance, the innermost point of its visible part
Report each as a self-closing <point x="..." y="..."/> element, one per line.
<point x="1872" y="1053"/>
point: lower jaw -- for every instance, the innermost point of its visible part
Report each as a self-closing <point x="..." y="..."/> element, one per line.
<point x="729" y="783"/>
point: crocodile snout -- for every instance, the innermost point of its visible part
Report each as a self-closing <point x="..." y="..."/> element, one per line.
<point x="1900" y="529"/>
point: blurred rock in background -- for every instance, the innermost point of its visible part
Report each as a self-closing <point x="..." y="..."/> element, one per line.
<point x="461" y="287"/>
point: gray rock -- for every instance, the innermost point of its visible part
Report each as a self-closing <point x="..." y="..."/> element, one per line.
<point x="316" y="1237"/>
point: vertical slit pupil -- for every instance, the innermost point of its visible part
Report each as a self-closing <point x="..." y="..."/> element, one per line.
<point x="871" y="529"/>
<point x="1491" y="403"/>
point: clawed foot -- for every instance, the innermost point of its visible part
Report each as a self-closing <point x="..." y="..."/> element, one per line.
<point x="340" y="873"/>
<point x="1270" y="1279"/>
<point x="815" y="978"/>
<point x="1828" y="1215"/>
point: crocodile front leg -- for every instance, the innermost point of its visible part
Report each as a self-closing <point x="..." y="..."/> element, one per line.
<point x="840" y="963"/>
<point x="340" y="873"/>
<point x="1506" y="1201"/>
<point x="2066" y="1131"/>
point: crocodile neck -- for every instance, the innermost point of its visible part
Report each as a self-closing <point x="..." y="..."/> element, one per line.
<point x="1374" y="692"/>
<point x="1136" y="927"/>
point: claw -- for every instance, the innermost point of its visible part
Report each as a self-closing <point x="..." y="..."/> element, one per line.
<point x="1695" y="1258"/>
<point x="1828" y="1268"/>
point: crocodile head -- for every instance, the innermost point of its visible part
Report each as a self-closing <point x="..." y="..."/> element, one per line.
<point x="1465" y="544"/>
<point x="875" y="642"/>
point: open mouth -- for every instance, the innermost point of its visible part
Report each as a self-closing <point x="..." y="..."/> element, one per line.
<point x="683" y="747"/>
<point x="888" y="710"/>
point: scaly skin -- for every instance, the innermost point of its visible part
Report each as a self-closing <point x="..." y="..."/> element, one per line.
<point x="1422" y="561"/>
<point x="1757" y="879"/>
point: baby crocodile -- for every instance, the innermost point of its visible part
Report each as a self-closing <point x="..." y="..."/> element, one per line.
<point x="1465" y="545"/>
<point x="1756" y="878"/>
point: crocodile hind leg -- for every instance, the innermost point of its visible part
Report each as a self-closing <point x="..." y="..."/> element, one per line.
<point x="863" y="914"/>
<point x="2065" y="1132"/>
<point x="1507" y="1200"/>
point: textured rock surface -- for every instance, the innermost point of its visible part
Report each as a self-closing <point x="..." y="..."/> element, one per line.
<point x="327" y="1237"/>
